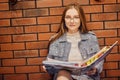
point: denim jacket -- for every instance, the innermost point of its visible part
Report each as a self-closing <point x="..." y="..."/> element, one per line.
<point x="60" y="49"/>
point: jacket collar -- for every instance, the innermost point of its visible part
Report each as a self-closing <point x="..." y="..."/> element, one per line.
<point x="83" y="36"/>
<point x="64" y="39"/>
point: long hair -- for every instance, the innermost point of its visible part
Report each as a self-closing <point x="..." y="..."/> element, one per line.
<point x="62" y="28"/>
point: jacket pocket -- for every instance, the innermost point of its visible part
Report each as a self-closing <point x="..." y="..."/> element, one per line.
<point x="59" y="53"/>
<point x="93" y="49"/>
<point x="88" y="51"/>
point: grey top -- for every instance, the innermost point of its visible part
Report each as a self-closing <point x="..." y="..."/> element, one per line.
<point x="74" y="55"/>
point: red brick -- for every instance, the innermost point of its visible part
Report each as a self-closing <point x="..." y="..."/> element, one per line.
<point x="35" y="61"/>
<point x="118" y="1"/>
<point x="23" y="21"/>
<point x="118" y="16"/>
<point x="110" y="78"/>
<point x="15" y="77"/>
<point x="11" y="30"/>
<point x="0" y="65"/>
<point x="95" y="25"/>
<point x="5" y="14"/>
<point x="87" y="16"/>
<point x="27" y="69"/>
<point x="113" y="57"/>
<point x="118" y="32"/>
<point x="11" y="14"/>
<point x="5" y="38"/>
<point x="3" y="0"/>
<point x="104" y="16"/>
<point x="36" y="29"/>
<point x="102" y="2"/>
<point x="25" y="5"/>
<point x="39" y="76"/>
<point x="49" y="3"/>
<point x="16" y="13"/>
<point x="49" y="19"/>
<point x="13" y="62"/>
<point x="112" y="24"/>
<point x="26" y="53"/>
<point x="81" y="2"/>
<point x="6" y="70"/>
<point x="113" y="73"/>
<point x="44" y="36"/>
<point x="56" y="11"/>
<point x="115" y="49"/>
<point x="5" y="22"/>
<point x="43" y="52"/>
<point x="119" y="64"/>
<point x="25" y="37"/>
<point x="106" y="33"/>
<point x="110" y="41"/>
<point x="6" y="54"/>
<point x="4" y="6"/>
<point x="112" y="8"/>
<point x="111" y="65"/>
<point x="35" y="12"/>
<point x="101" y="41"/>
<point x="37" y="45"/>
<point x="54" y="27"/>
<point x="119" y="49"/>
<point x="93" y="9"/>
<point x="12" y="46"/>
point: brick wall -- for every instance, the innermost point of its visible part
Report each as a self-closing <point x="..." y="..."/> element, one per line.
<point x="26" y="27"/>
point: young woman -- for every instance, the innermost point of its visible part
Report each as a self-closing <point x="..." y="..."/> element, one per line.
<point x="73" y="43"/>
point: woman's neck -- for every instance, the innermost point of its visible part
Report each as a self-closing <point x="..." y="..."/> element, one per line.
<point x="72" y="32"/>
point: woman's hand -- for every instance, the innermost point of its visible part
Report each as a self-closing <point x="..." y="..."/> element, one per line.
<point x="92" y="71"/>
<point x="44" y="69"/>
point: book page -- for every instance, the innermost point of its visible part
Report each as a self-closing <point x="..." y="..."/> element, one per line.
<point x="86" y="65"/>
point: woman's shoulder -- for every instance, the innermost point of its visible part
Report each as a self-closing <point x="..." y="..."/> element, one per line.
<point x="91" y="33"/>
<point x="53" y="40"/>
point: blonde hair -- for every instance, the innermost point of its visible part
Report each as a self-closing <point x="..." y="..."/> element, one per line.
<point x="62" y="28"/>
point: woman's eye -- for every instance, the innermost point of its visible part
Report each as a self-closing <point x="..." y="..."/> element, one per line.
<point x="77" y="17"/>
<point x="67" y="17"/>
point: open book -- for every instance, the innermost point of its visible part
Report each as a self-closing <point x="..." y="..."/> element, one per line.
<point x="85" y="65"/>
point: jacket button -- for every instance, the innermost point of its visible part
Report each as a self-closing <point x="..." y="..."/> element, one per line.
<point x="91" y="49"/>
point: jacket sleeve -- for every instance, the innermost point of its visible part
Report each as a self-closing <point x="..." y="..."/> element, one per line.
<point x="99" y="66"/>
<point x="50" y="69"/>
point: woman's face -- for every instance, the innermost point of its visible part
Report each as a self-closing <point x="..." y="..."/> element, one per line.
<point x="72" y="20"/>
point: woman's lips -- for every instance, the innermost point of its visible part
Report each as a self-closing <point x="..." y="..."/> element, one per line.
<point x="72" y="25"/>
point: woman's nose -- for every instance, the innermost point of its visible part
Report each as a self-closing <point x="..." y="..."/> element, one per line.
<point x="71" y="20"/>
